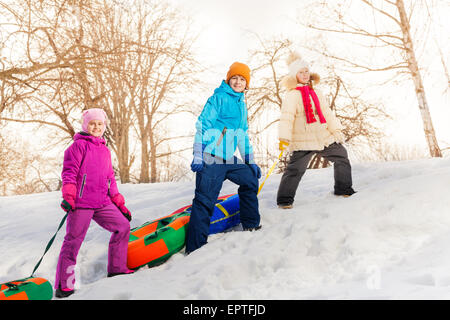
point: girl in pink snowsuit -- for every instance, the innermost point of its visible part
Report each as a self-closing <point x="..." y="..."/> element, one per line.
<point x="90" y="192"/>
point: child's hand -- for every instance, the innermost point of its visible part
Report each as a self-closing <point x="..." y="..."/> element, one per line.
<point x="283" y="144"/>
<point x="69" y="192"/>
<point x="125" y="212"/>
<point x="249" y="160"/>
<point x="66" y="206"/>
<point x="256" y="170"/>
<point x="197" y="163"/>
<point x="119" y="201"/>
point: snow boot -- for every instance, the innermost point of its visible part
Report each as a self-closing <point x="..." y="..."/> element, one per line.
<point x="252" y="229"/>
<point x="346" y="194"/>
<point x="119" y="273"/>
<point x="60" y="293"/>
<point x="285" y="206"/>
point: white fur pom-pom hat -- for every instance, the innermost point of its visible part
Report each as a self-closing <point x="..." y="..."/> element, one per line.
<point x="295" y="62"/>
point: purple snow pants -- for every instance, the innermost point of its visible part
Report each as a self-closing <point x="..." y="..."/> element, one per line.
<point x="108" y="217"/>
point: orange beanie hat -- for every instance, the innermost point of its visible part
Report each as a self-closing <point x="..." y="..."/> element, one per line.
<point x="241" y="69"/>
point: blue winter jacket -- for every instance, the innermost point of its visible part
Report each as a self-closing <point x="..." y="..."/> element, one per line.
<point x="222" y="126"/>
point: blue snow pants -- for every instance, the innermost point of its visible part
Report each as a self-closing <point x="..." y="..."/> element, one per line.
<point x="208" y="183"/>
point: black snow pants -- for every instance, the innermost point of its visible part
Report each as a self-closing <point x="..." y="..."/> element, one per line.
<point x="298" y="163"/>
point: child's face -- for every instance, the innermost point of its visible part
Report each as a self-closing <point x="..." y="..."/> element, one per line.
<point x="95" y="128"/>
<point x="237" y="83"/>
<point x="303" y="76"/>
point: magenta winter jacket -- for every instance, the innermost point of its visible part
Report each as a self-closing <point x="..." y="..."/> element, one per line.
<point x="87" y="164"/>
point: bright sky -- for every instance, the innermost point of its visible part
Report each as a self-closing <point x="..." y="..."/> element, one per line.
<point x="224" y="38"/>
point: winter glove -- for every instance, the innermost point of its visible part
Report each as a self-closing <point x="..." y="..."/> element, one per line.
<point x="248" y="159"/>
<point x="69" y="192"/>
<point x="65" y="206"/>
<point x="126" y="213"/>
<point x="198" y="163"/>
<point x="283" y="145"/>
<point x="119" y="201"/>
<point x="256" y="170"/>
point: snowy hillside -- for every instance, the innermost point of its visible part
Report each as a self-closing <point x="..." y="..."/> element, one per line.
<point x="388" y="241"/>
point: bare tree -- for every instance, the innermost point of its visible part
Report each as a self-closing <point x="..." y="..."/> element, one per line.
<point x="20" y="169"/>
<point x="265" y="97"/>
<point x="397" y="36"/>
<point x="75" y="55"/>
<point x="165" y="66"/>
<point x="50" y="37"/>
<point x="112" y="79"/>
<point x="66" y="81"/>
<point x="432" y="18"/>
<point x="358" y="116"/>
<point x="140" y="82"/>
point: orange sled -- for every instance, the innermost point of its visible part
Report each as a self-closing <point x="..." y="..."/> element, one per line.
<point x="156" y="241"/>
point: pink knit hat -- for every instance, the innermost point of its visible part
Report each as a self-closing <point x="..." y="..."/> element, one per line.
<point x="93" y="114"/>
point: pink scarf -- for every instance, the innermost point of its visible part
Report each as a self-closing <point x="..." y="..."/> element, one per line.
<point x="306" y="92"/>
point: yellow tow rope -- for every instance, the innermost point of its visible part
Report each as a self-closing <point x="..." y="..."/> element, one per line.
<point x="270" y="171"/>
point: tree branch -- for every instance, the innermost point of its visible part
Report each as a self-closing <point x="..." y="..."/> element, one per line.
<point x="36" y="121"/>
<point x="382" y="12"/>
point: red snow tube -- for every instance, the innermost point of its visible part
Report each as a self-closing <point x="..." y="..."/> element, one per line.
<point x="156" y="241"/>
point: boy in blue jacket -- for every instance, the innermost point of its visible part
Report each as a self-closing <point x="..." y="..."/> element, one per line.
<point x="220" y="129"/>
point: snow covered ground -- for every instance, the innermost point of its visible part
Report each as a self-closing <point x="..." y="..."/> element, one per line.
<point x="388" y="241"/>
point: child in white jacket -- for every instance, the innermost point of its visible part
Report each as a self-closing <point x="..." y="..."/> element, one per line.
<point x="308" y="126"/>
